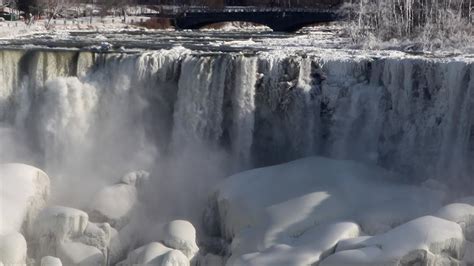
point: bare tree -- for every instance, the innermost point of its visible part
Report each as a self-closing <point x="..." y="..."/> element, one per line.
<point x="52" y="8"/>
<point x="116" y="5"/>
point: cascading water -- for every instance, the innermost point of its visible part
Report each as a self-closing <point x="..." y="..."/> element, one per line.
<point x="411" y="115"/>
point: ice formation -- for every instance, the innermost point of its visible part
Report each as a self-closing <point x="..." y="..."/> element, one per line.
<point x="67" y="234"/>
<point x="24" y="192"/>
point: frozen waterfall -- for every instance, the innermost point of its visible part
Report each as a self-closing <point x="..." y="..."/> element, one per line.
<point x="81" y="110"/>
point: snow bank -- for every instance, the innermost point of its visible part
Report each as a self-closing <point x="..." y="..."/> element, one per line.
<point x="24" y="190"/>
<point x="427" y="240"/>
<point x="269" y="213"/>
<point x="12" y="249"/>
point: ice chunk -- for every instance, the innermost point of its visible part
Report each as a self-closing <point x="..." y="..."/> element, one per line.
<point x="180" y="235"/>
<point x="427" y="240"/>
<point x="12" y="249"/>
<point x="24" y="192"/>
<point x="155" y="254"/>
<point x="50" y="261"/>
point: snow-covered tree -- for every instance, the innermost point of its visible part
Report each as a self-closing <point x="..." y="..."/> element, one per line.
<point x="423" y="20"/>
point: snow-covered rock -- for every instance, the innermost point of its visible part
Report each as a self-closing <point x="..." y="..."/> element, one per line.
<point x="58" y="223"/>
<point x="97" y="235"/>
<point x="267" y="212"/>
<point x="426" y="240"/>
<point x="79" y="254"/>
<point x="12" y="249"/>
<point x="155" y="254"/>
<point x="180" y="235"/>
<point x="50" y="261"/>
<point x="305" y="249"/>
<point x="24" y="192"/>
<point x="67" y="233"/>
<point x="462" y="214"/>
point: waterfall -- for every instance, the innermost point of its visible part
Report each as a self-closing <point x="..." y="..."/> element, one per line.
<point x="243" y="106"/>
<point x="125" y="111"/>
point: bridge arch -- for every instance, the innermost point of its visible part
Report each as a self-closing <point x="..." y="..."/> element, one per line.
<point x="282" y="21"/>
